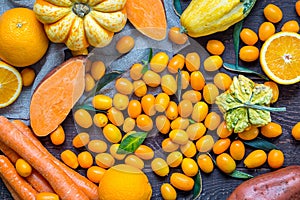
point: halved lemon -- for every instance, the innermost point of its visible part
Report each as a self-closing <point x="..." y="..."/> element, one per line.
<point x="280" y="57"/>
<point x="10" y="84"/>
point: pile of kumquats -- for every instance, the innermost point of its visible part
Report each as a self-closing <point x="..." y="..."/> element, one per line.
<point x="194" y="135"/>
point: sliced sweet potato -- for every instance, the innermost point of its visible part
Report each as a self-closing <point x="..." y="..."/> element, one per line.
<point x="148" y="17"/>
<point x="281" y="184"/>
<point x="56" y="95"/>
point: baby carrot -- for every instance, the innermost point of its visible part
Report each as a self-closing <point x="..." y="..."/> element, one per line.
<point x="10" y="154"/>
<point x="20" y="186"/>
<point x="60" y="182"/>
<point x="12" y="192"/>
<point x="38" y="182"/>
<point x="87" y="186"/>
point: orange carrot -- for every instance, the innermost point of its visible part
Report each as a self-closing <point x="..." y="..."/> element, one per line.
<point x="10" y="154"/>
<point x="37" y="181"/>
<point x="11" y="176"/>
<point x="60" y="182"/>
<point x="13" y="193"/>
<point x="88" y="187"/>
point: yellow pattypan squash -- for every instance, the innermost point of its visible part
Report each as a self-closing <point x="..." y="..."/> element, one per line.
<point x="80" y="23"/>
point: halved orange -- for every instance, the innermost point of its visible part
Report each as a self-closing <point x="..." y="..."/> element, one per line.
<point x="10" y="84"/>
<point x="280" y="57"/>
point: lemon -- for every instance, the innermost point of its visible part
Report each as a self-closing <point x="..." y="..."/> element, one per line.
<point x="10" y="84"/>
<point x="280" y="57"/>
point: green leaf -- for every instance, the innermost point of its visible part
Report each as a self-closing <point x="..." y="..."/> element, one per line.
<point x="150" y="55"/>
<point x="179" y="85"/>
<point x="240" y="175"/>
<point x="107" y="78"/>
<point x="131" y="142"/>
<point x="260" y="143"/>
<point x="145" y="67"/>
<point x="89" y="108"/>
<point x="198" y="186"/>
<point x="192" y="121"/>
<point x="177" y="7"/>
<point x="146" y="63"/>
<point x="236" y="40"/>
<point x="240" y="69"/>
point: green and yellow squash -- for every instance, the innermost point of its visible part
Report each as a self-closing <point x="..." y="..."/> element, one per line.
<point x="205" y="17"/>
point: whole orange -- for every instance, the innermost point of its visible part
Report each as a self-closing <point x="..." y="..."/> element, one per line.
<point x="124" y="182"/>
<point x="22" y="37"/>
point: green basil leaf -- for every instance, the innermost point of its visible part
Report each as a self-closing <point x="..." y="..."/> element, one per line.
<point x="131" y="142"/>
<point x="89" y="108"/>
<point x="236" y="40"/>
<point x="240" y="175"/>
<point x="177" y="7"/>
<point x="260" y="143"/>
<point x="179" y="85"/>
<point x="240" y="69"/>
<point x="198" y="186"/>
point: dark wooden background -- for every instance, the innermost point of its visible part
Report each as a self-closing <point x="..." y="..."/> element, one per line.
<point x="217" y="185"/>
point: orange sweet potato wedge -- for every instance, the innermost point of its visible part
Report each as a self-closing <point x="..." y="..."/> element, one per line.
<point x="56" y="95"/>
<point x="148" y="17"/>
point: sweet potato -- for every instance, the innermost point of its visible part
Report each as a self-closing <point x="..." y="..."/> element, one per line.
<point x="148" y="17"/>
<point x="281" y="184"/>
<point x="55" y="96"/>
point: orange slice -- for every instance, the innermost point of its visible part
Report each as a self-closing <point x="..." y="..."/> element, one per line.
<point x="280" y="57"/>
<point x="10" y="84"/>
